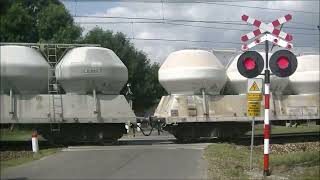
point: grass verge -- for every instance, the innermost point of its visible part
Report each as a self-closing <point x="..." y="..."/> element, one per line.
<point x="16" y="134"/>
<point x="230" y="161"/>
<point x="283" y="129"/>
<point x="14" y="158"/>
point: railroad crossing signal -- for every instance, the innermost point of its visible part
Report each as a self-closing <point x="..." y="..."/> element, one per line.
<point x="283" y="63"/>
<point x="271" y="27"/>
<point x="250" y="64"/>
<point x="267" y="37"/>
<point x="273" y="34"/>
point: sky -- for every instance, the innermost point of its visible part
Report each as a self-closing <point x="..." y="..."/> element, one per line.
<point x="196" y="35"/>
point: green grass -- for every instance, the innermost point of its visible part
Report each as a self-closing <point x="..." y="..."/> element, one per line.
<point x="308" y="158"/>
<point x="284" y="129"/>
<point x="16" y="134"/>
<point x="26" y="157"/>
<point x="229" y="161"/>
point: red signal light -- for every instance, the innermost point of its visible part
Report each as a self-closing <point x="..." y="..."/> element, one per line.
<point x="249" y="63"/>
<point x="283" y="62"/>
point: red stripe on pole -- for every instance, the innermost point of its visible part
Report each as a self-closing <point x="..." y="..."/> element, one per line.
<point x="275" y="23"/>
<point x="276" y="32"/>
<point x="34" y="134"/>
<point x="266" y="162"/>
<point x="288" y="17"/>
<point x="244" y="38"/>
<point x="257" y="23"/>
<point x="266" y="101"/>
<point x="257" y="32"/>
<point x="266" y="134"/>
<point x="244" y="17"/>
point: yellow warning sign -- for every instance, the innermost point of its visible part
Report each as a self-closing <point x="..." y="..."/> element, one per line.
<point x="254" y="96"/>
<point x="253" y="108"/>
<point x="254" y="87"/>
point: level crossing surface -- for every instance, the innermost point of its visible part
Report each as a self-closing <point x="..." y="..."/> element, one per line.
<point x="153" y="157"/>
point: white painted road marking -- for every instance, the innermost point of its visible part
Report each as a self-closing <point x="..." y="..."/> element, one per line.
<point x="198" y="146"/>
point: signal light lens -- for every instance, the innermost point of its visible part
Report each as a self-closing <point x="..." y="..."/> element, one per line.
<point x="249" y="63"/>
<point x="283" y="62"/>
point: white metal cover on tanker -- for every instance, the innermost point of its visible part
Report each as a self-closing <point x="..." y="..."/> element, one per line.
<point x="24" y="70"/>
<point x="306" y="78"/>
<point x="188" y="71"/>
<point x="83" y="69"/>
<point x="237" y="84"/>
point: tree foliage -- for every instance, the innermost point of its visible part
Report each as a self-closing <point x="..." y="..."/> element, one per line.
<point x="37" y="21"/>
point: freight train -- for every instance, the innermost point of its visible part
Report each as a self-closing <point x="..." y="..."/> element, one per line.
<point x="76" y="97"/>
<point x="207" y="99"/>
<point x="73" y="98"/>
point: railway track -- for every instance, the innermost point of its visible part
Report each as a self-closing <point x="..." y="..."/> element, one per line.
<point x="280" y="138"/>
<point x="244" y="140"/>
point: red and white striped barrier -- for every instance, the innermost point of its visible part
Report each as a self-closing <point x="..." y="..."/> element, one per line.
<point x="34" y="140"/>
<point x="266" y="128"/>
<point x="267" y="37"/>
<point x="271" y="28"/>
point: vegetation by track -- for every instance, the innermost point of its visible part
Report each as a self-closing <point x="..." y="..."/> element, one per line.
<point x="287" y="161"/>
<point x="14" y="158"/>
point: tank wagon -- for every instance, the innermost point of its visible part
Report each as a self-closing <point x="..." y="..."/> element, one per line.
<point x="208" y="100"/>
<point x="195" y="106"/>
<point x="91" y="109"/>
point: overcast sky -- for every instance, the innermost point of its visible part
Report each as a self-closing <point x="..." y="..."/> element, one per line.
<point x="303" y="26"/>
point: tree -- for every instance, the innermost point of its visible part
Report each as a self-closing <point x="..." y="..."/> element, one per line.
<point x="35" y="20"/>
<point x="143" y="77"/>
<point x="17" y="25"/>
<point x="56" y="24"/>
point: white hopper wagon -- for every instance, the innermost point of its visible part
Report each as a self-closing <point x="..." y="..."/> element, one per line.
<point x="194" y="107"/>
<point x="92" y="108"/>
<point x="193" y="110"/>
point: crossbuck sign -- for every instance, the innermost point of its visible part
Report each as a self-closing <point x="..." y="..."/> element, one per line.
<point x="273" y="34"/>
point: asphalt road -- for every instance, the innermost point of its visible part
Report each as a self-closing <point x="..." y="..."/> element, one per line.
<point x="150" y="157"/>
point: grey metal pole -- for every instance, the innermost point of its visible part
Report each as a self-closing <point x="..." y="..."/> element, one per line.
<point x="95" y="101"/>
<point x="204" y="102"/>
<point x="11" y="104"/>
<point x="252" y="142"/>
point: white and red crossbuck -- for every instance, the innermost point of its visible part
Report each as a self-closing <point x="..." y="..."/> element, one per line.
<point x="267" y="37"/>
<point x="271" y="28"/>
<point x="274" y="35"/>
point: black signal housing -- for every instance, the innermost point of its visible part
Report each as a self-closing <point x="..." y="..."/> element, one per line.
<point x="250" y="64"/>
<point x="283" y="63"/>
